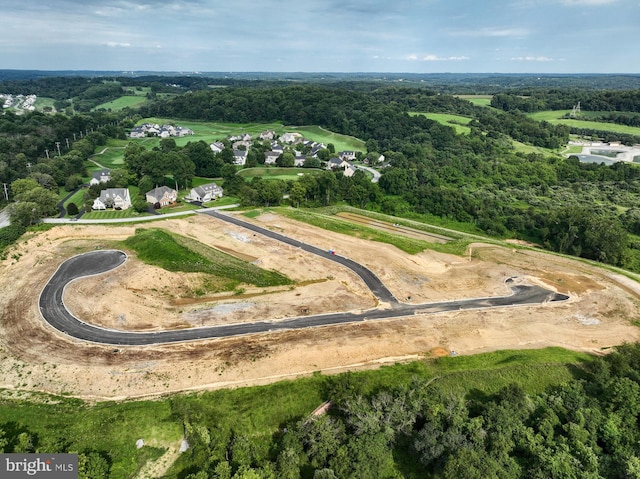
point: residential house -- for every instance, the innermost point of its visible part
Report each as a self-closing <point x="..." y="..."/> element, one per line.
<point x="239" y="157"/>
<point x="290" y="137"/>
<point x="268" y="135"/>
<point x="335" y="163"/>
<point x="347" y="155"/>
<point x="205" y="193"/>
<point x="163" y="195"/>
<point x="316" y="148"/>
<point x="349" y="170"/>
<point x="118" y="198"/>
<point x="101" y="176"/>
<point x="300" y="159"/>
<point x="217" y="147"/>
<point x="270" y="157"/>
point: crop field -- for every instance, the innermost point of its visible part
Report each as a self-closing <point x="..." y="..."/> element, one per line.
<point x="555" y="117"/>
<point x="455" y="121"/>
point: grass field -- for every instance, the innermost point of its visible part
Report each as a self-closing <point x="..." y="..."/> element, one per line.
<point x="110" y="157"/>
<point x="179" y="253"/>
<point x="479" y="100"/>
<point x="455" y="121"/>
<point x="339" y="225"/>
<point x="77" y="198"/>
<point x="272" y="173"/>
<point x="126" y="101"/>
<point x="555" y="118"/>
<point x="319" y="134"/>
<point x="44" y="102"/>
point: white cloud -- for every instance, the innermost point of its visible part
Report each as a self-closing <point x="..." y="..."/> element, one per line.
<point x="118" y="45"/>
<point x="435" y="58"/>
<point x="491" y="32"/>
<point x="533" y="59"/>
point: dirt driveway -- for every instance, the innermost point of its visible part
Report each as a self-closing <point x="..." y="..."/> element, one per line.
<point x="140" y="297"/>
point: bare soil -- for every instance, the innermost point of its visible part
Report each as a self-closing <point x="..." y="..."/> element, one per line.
<point x="144" y="298"/>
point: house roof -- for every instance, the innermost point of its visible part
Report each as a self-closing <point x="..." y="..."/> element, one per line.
<point x="202" y="190"/>
<point x="99" y="174"/>
<point x="160" y="191"/>
<point x="113" y="193"/>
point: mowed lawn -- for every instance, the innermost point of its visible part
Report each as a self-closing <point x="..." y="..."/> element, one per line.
<point x="276" y="173"/>
<point x="479" y="100"/>
<point x="126" y="101"/>
<point x="555" y="117"/>
<point x="319" y="134"/>
<point x="455" y="121"/>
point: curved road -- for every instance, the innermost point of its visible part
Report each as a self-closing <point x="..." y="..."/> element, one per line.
<point x="56" y="314"/>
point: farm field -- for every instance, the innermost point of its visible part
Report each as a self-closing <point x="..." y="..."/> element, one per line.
<point x="555" y="117"/>
<point x="456" y="121"/>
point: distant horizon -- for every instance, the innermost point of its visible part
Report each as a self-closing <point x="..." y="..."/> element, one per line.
<point x="318" y="72"/>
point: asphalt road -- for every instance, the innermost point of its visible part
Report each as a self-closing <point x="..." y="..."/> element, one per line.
<point x="56" y="314"/>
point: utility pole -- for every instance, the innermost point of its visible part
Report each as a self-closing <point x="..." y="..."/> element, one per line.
<point x="74" y="137"/>
<point x="46" y="151"/>
<point x="58" y="146"/>
<point x="67" y="143"/>
<point x="6" y="191"/>
<point x="29" y="167"/>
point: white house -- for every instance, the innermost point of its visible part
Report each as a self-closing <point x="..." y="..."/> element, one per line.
<point x="239" y="157"/>
<point x="347" y="155"/>
<point x="290" y="137"/>
<point x="117" y="198"/>
<point x="217" y="147"/>
<point x="270" y="157"/>
<point x="205" y="193"/>
<point x="101" y="176"/>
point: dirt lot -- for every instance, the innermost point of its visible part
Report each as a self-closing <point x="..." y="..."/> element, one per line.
<point x="139" y="297"/>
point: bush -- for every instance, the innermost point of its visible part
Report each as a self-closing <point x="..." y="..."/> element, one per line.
<point x="72" y="209"/>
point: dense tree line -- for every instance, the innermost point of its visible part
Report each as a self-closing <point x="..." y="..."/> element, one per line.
<point x="587" y="428"/>
<point x="562" y="99"/>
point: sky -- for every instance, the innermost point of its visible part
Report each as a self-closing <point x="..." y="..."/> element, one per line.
<point x="417" y="36"/>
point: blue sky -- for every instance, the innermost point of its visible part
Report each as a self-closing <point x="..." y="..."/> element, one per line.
<point x="421" y="36"/>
